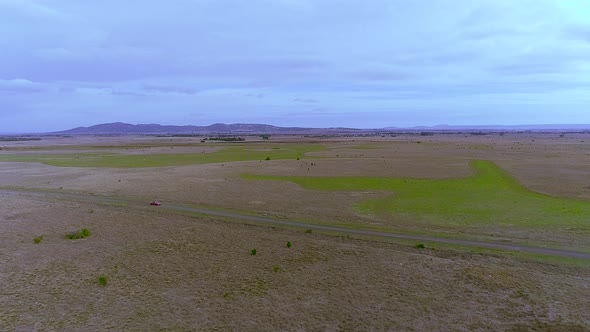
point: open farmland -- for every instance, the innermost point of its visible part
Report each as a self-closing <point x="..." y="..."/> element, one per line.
<point x="178" y="270"/>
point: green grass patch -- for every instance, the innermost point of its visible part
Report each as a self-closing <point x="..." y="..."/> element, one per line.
<point x="38" y="239"/>
<point x="83" y="233"/>
<point x="490" y="196"/>
<point x="234" y="153"/>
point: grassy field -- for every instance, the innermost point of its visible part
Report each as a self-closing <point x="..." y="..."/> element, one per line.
<point x="491" y="196"/>
<point x="229" y="154"/>
<point x="151" y="268"/>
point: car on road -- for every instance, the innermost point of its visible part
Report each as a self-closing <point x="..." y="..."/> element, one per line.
<point x="156" y="203"/>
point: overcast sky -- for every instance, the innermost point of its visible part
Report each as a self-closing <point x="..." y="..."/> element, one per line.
<point x="320" y="63"/>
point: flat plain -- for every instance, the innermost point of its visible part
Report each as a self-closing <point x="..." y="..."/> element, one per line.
<point x="158" y="268"/>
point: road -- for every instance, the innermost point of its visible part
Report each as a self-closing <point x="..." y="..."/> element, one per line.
<point x="280" y="222"/>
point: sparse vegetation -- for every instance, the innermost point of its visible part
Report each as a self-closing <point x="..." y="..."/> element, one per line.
<point x="308" y="231"/>
<point x="420" y="246"/>
<point x="83" y="233"/>
<point x="289" y="244"/>
<point x="253" y="252"/>
<point x="38" y="239"/>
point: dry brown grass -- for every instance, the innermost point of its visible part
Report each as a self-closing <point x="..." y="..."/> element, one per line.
<point x="173" y="272"/>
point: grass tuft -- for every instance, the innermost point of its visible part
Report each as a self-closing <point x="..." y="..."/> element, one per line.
<point x="289" y="244"/>
<point x="102" y="280"/>
<point x="83" y="233"/>
<point x="253" y="252"/>
<point x="420" y="246"/>
<point x="38" y="239"/>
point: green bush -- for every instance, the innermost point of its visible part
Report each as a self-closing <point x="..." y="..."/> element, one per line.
<point x="253" y="252"/>
<point x="420" y="246"/>
<point x="289" y="244"/>
<point x="38" y="239"/>
<point x="276" y="268"/>
<point x="84" y="232"/>
<point x="267" y="158"/>
<point x="102" y="280"/>
<point x="308" y="231"/>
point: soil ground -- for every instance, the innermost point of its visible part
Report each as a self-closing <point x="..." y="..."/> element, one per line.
<point x="167" y="271"/>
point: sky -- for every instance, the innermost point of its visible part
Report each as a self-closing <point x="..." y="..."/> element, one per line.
<point x="313" y="63"/>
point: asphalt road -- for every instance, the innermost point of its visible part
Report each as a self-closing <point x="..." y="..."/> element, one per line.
<point x="280" y="222"/>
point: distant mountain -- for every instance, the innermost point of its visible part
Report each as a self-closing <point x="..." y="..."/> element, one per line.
<point x="217" y="128"/>
<point x="120" y="128"/>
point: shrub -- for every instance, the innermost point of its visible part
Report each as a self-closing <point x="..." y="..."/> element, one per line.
<point x="253" y="252"/>
<point x="84" y="232"/>
<point x="308" y="231"/>
<point x="267" y="158"/>
<point x="38" y="239"/>
<point x="298" y="158"/>
<point x="276" y="268"/>
<point x="102" y="280"/>
<point x="420" y="246"/>
<point x="289" y="244"/>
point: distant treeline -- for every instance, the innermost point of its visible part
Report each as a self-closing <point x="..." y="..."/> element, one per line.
<point x="226" y="139"/>
<point x="18" y="139"/>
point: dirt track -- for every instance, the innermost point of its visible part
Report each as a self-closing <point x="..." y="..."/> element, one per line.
<point x="273" y="221"/>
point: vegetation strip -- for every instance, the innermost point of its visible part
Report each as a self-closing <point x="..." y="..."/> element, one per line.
<point x="490" y="197"/>
<point x="114" y="160"/>
<point x="271" y="221"/>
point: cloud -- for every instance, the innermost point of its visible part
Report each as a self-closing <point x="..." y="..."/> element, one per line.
<point x="31" y="9"/>
<point x="305" y="100"/>
<point x="168" y="89"/>
<point x="381" y="75"/>
<point x="19" y="85"/>
<point x="578" y="32"/>
<point x="265" y="58"/>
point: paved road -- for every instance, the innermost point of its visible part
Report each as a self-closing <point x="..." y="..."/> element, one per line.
<point x="279" y="222"/>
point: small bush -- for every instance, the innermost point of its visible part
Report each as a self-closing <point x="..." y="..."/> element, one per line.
<point x="84" y="232"/>
<point x="267" y="158"/>
<point x="102" y="280"/>
<point x="276" y="268"/>
<point x="420" y="246"/>
<point x="38" y="239"/>
<point x="289" y="244"/>
<point x="298" y="158"/>
<point x="253" y="252"/>
<point x="308" y="231"/>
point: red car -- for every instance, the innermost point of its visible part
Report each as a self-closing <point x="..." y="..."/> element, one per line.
<point x="156" y="203"/>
